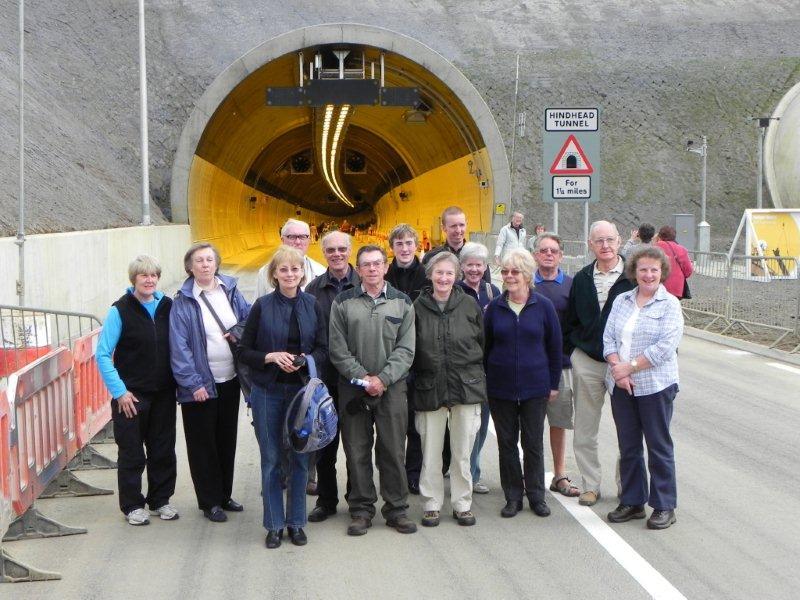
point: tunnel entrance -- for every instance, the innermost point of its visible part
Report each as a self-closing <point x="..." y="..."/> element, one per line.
<point x="333" y="124"/>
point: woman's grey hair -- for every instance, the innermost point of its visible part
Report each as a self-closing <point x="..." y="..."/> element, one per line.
<point x="143" y="265"/>
<point x="474" y="250"/>
<point x="653" y="252"/>
<point x="521" y="259"/>
<point x="187" y="258"/>
<point x="441" y="257"/>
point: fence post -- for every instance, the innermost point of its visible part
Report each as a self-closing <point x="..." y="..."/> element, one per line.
<point x="729" y="291"/>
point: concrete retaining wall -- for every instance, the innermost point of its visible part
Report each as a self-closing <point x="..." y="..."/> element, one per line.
<point x="85" y="271"/>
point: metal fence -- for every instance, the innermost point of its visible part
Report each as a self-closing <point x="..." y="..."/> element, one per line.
<point x="29" y="333"/>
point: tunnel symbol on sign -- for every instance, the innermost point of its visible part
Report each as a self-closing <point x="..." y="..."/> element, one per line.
<point x="571" y="160"/>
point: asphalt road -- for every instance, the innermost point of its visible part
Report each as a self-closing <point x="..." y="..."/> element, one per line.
<point x="735" y="430"/>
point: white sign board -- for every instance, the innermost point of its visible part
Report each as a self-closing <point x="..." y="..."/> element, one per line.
<point x="570" y="119"/>
<point x="572" y="188"/>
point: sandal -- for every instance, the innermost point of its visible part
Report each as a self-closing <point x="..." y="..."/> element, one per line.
<point x="566" y="489"/>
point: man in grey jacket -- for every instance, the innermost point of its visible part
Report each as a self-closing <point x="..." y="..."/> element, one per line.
<point x="372" y="339"/>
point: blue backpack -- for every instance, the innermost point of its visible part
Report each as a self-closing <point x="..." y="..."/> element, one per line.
<point x="311" y="421"/>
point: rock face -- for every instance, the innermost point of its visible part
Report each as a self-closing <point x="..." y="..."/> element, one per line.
<point x="661" y="73"/>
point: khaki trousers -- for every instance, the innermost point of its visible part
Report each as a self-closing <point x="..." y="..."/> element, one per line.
<point x="465" y="419"/>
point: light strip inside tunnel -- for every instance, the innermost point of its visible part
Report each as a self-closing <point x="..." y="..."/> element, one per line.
<point x="329" y="167"/>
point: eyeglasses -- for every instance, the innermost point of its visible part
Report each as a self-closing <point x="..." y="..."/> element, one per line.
<point x="294" y="237"/>
<point x="548" y="250"/>
<point x="512" y="272"/>
<point x="375" y="263"/>
<point x="339" y="249"/>
<point x="606" y="241"/>
<point x="287" y="270"/>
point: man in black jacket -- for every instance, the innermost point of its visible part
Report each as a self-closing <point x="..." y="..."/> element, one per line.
<point x="407" y="274"/>
<point x="340" y="276"/>
<point x="594" y="289"/>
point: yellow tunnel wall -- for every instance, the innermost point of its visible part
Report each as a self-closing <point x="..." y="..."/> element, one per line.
<point x="430" y="193"/>
<point x="220" y="212"/>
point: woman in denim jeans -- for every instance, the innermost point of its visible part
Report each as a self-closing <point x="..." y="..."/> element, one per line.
<point x="282" y="326"/>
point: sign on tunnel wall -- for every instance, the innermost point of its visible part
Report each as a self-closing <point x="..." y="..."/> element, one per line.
<point x="571" y="155"/>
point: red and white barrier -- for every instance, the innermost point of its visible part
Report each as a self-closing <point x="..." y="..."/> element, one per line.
<point x="92" y="399"/>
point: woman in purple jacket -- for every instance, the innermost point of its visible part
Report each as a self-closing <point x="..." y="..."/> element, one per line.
<point x="208" y="388"/>
<point x="523" y="370"/>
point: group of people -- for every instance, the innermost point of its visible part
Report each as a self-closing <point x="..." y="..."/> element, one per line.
<point x="417" y="353"/>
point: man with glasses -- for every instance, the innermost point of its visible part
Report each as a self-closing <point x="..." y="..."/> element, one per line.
<point x="594" y="289"/>
<point x="339" y="277"/>
<point x="407" y="274"/>
<point x="552" y="283"/>
<point x="296" y="234"/>
<point x="372" y="339"/>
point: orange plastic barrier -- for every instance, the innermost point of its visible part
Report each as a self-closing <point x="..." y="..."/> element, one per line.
<point x="92" y="399"/>
<point x="13" y="359"/>
<point x="42" y="435"/>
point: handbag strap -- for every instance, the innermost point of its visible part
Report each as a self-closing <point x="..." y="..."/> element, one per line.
<point x="213" y="313"/>
<point x="675" y="256"/>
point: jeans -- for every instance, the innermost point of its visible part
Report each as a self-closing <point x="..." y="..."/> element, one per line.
<point x="480" y="439"/>
<point x="269" y="411"/>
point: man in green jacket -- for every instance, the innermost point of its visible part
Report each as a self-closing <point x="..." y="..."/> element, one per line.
<point x="372" y="339"/>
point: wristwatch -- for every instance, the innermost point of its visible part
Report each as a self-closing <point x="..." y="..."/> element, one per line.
<point x="635" y="365"/>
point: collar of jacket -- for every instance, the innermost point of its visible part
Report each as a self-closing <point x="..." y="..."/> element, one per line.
<point x="352" y="277"/>
<point x="503" y="299"/>
<point x="157" y="296"/>
<point x="457" y="295"/>
<point x="227" y="282"/>
<point x="660" y="295"/>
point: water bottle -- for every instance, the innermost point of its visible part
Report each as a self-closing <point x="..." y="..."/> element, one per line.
<point x="360" y="382"/>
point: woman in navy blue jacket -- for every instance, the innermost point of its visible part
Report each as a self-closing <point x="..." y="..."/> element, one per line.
<point x="523" y="370"/>
<point x="282" y="326"/>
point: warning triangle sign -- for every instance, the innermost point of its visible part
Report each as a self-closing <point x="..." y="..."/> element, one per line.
<point x="571" y="160"/>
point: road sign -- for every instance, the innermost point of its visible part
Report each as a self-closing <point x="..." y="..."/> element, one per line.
<point x="571" y="155"/>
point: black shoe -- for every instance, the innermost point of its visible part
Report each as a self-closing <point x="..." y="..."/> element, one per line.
<point x="274" y="538"/>
<point x="320" y="513"/>
<point x="402" y="524"/>
<point x="511" y="509"/>
<point x="298" y="536"/>
<point x="359" y="526"/>
<point x="540" y="508"/>
<point x="626" y="512"/>
<point x="232" y="505"/>
<point x="215" y="514"/>
<point x="413" y="487"/>
<point x="661" y="519"/>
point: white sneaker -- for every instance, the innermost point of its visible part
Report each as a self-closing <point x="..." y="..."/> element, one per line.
<point x="138" y="516"/>
<point x="166" y="512"/>
<point x="480" y="488"/>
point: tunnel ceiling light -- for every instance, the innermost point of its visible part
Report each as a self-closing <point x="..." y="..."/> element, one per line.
<point x="329" y="150"/>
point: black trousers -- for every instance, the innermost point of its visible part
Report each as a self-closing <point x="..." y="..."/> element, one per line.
<point x="146" y="440"/>
<point x="509" y="418"/>
<point x="210" y="428"/>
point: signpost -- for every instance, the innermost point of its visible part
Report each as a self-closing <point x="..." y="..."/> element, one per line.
<point x="571" y="159"/>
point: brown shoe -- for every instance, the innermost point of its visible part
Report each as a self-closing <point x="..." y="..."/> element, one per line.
<point x="589" y="498"/>
<point x="465" y="518"/>
<point x="402" y="524"/>
<point x="359" y="526"/>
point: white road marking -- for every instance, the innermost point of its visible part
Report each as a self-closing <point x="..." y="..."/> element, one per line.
<point x="637" y="567"/>
<point x="736" y="352"/>
<point x="784" y="367"/>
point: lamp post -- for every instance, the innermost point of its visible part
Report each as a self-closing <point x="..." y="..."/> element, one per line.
<point x="703" y="228"/>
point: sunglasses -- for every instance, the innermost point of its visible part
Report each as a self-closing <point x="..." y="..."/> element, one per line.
<point x="512" y="272"/>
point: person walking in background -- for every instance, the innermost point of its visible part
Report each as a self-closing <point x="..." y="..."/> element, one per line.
<point x="474" y="261"/>
<point x="407" y="274"/>
<point x="552" y="283"/>
<point x="538" y="230"/>
<point x="511" y="235"/>
<point x="339" y="277"/>
<point x="642" y="235"/>
<point x="640" y="345"/>
<point x="594" y="289"/>
<point x="283" y="329"/>
<point x="449" y="387"/>
<point x="372" y="340"/>
<point x="680" y="265"/>
<point x="133" y="360"/>
<point x="523" y="360"/>
<point x="203" y="366"/>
